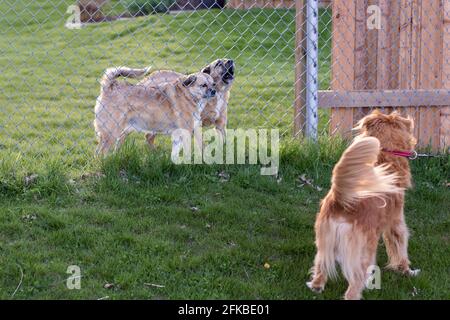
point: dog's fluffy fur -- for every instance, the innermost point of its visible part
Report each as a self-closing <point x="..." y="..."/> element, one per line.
<point x="365" y="201"/>
<point x="123" y="107"/>
<point x="215" y="112"/>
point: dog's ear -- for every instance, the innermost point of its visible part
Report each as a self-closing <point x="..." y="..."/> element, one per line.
<point x="376" y="112"/>
<point x="369" y="120"/>
<point x="411" y="122"/>
<point x="408" y="122"/>
<point x="190" y="80"/>
<point x="207" y="69"/>
<point x="359" y="125"/>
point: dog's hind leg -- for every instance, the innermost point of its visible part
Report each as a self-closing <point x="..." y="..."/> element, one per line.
<point x="123" y="135"/>
<point x="104" y="145"/>
<point x="319" y="278"/>
<point x="396" y="242"/>
<point x="357" y="256"/>
<point x="324" y="262"/>
<point x="221" y="124"/>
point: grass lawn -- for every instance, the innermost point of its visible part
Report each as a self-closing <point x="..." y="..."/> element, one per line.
<point x="145" y="220"/>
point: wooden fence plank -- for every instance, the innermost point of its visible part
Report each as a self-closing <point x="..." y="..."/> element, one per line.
<point x="361" y="54"/>
<point x="372" y="48"/>
<point x="416" y="13"/>
<point x="405" y="44"/>
<point x="445" y="112"/>
<point x="384" y="47"/>
<point x="343" y="56"/>
<point x="394" y="40"/>
<point x="430" y="70"/>
<point x="383" y="98"/>
<point x="409" y="53"/>
<point x="388" y="47"/>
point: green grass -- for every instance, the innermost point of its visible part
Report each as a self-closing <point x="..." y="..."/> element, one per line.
<point x="135" y="224"/>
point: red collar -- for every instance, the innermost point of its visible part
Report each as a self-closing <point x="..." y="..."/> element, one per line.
<point x="405" y="154"/>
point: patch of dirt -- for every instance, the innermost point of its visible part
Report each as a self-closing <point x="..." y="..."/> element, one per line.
<point x="91" y="12"/>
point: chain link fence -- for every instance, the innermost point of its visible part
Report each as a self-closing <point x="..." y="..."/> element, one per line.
<point x="362" y="54"/>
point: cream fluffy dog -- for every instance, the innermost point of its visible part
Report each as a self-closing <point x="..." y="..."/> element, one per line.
<point x="215" y="112"/>
<point x="123" y="107"/>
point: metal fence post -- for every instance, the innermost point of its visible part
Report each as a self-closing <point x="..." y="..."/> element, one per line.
<point x="300" y="69"/>
<point x="312" y="83"/>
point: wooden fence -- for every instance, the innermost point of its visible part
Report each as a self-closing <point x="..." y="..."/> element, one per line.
<point x="403" y="65"/>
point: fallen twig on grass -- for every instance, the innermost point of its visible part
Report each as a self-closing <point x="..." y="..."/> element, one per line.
<point x="154" y="285"/>
<point x="20" y="282"/>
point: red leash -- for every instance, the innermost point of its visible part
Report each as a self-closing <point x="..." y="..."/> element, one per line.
<point x="412" y="155"/>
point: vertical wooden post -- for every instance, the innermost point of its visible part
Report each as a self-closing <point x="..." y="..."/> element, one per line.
<point x="343" y="62"/>
<point x="361" y="48"/>
<point x="361" y="53"/>
<point x="372" y="48"/>
<point x="384" y="47"/>
<point x="430" y="70"/>
<point x="405" y="44"/>
<point x="394" y="27"/>
<point x="300" y="68"/>
<point x="410" y="44"/>
<point x="445" y="111"/>
<point x="388" y="47"/>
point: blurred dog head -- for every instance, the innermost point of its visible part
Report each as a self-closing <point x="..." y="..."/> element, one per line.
<point x="222" y="71"/>
<point x="393" y="130"/>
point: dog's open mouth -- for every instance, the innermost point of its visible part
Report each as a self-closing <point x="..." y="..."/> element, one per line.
<point x="228" y="76"/>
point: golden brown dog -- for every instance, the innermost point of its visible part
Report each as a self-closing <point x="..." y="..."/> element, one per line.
<point x="215" y="112"/>
<point x="123" y="107"/>
<point x="366" y="201"/>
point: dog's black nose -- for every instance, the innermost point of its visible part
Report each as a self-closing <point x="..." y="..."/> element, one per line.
<point x="230" y="62"/>
<point x="213" y="92"/>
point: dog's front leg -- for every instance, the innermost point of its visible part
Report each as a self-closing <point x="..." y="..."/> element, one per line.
<point x="123" y="135"/>
<point x="221" y="124"/>
<point x="104" y="146"/>
<point x="222" y="133"/>
<point x="181" y="140"/>
<point x="177" y="144"/>
<point x="198" y="144"/>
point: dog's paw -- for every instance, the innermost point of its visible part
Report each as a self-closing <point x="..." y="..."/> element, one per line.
<point x="314" y="289"/>
<point x="413" y="272"/>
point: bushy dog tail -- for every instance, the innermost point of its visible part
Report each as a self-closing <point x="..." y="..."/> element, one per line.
<point x="356" y="177"/>
<point x="111" y="74"/>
